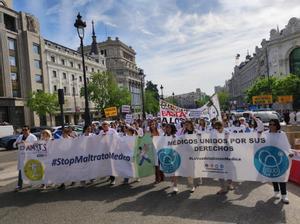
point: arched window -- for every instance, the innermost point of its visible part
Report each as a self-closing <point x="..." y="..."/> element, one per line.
<point x="295" y="61"/>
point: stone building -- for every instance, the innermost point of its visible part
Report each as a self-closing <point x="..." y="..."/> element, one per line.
<point x="64" y="69"/>
<point x="188" y="100"/>
<point x="22" y="65"/>
<point x="120" y="60"/>
<point x="277" y="56"/>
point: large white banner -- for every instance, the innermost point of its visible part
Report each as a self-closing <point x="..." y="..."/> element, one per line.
<point x="170" y="113"/>
<point x="239" y="157"/>
<point x="82" y="158"/>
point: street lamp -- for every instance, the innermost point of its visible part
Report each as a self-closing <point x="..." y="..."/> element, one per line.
<point x="173" y="97"/>
<point x="161" y="90"/>
<point x="80" y="25"/>
<point x="142" y="76"/>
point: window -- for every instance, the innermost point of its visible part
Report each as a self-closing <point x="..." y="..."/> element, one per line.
<point x="12" y="61"/>
<point x="13" y="76"/>
<point x="79" y="66"/>
<point x="65" y="90"/>
<point x="98" y="70"/>
<point x="37" y="64"/>
<point x="73" y="77"/>
<point x="52" y="58"/>
<point x="74" y="92"/>
<point x="64" y="76"/>
<point x="54" y="74"/>
<point x="80" y="78"/>
<point x="295" y="61"/>
<point x="38" y="78"/>
<point x="55" y="88"/>
<point x="93" y="69"/>
<point x="87" y="80"/>
<point x="102" y="62"/>
<point x="11" y="44"/>
<point x="10" y="23"/>
<point x="36" y="48"/>
<point x="72" y="64"/>
<point x="63" y="61"/>
<point x="87" y="68"/>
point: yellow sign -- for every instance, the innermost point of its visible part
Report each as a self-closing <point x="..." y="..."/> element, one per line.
<point x="34" y="170"/>
<point x="111" y="112"/>
<point x="263" y="99"/>
<point x="285" y="99"/>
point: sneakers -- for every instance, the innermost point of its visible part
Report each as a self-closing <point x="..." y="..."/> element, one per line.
<point x="112" y="182"/>
<point x="285" y="200"/>
<point x="175" y="190"/>
<point x="277" y="195"/>
<point x="192" y="189"/>
<point x="18" y="188"/>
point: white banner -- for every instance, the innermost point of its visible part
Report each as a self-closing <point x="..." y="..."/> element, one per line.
<point x="82" y="158"/>
<point x="239" y="157"/>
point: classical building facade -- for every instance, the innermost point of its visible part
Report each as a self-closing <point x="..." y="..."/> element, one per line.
<point x="22" y="65"/>
<point x="277" y="56"/>
<point x="120" y="60"/>
<point x="29" y="63"/>
<point x="188" y="100"/>
<point x="64" y="69"/>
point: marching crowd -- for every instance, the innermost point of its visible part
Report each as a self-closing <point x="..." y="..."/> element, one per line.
<point x="154" y="127"/>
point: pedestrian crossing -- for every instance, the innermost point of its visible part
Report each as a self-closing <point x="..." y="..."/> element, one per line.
<point x="8" y="173"/>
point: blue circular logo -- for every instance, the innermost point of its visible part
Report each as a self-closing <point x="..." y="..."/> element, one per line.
<point x="271" y="161"/>
<point x="169" y="160"/>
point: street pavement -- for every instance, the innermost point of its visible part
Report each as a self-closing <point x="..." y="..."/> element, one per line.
<point x="142" y="202"/>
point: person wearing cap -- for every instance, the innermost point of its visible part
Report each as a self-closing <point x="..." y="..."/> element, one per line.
<point x="243" y="122"/>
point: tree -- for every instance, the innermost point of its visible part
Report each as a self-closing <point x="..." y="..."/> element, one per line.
<point x="224" y="100"/>
<point x="151" y="102"/>
<point x="43" y="103"/>
<point x="202" y="102"/>
<point x="263" y="86"/>
<point x="152" y="87"/>
<point x="103" y="90"/>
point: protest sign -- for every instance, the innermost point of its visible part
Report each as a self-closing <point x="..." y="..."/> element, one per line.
<point x="125" y="109"/>
<point x="239" y="157"/>
<point x="170" y="113"/>
<point x="111" y="112"/>
<point x="82" y="158"/>
<point x="144" y="156"/>
<point x="128" y="118"/>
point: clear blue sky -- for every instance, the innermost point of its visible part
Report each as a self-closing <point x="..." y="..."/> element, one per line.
<point x="181" y="44"/>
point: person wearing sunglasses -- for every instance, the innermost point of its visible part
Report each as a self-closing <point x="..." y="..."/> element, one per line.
<point x="25" y="137"/>
<point x="274" y="128"/>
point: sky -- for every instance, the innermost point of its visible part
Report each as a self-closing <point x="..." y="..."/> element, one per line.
<point x="180" y="44"/>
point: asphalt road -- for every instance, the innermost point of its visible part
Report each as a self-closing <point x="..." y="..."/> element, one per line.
<point x="143" y="202"/>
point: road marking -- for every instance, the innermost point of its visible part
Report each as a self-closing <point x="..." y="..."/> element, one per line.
<point x="8" y="173"/>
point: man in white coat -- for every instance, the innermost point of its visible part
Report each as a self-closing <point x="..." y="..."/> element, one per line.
<point x="26" y="136"/>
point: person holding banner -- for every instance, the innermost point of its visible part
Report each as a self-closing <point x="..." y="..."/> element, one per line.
<point x="26" y="136"/>
<point x="202" y="126"/>
<point x="171" y="131"/>
<point x="106" y="130"/>
<point x="189" y="130"/>
<point x="274" y="127"/>
<point x="225" y="184"/>
<point x="159" y="175"/>
<point x="45" y="136"/>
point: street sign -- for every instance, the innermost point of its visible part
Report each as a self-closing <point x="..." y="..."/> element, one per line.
<point x="111" y="112"/>
<point x="285" y="99"/>
<point x="263" y="99"/>
<point x="125" y="109"/>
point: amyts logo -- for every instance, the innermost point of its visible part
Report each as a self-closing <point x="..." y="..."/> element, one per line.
<point x="34" y="170"/>
<point x="169" y="160"/>
<point x="271" y="161"/>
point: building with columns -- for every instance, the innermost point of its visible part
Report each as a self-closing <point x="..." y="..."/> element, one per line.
<point x="120" y="60"/>
<point x="64" y="69"/>
<point x="277" y="56"/>
<point x="22" y="65"/>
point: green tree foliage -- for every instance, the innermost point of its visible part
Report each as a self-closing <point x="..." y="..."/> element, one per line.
<point x="224" y="100"/>
<point x="153" y="88"/>
<point x="202" y="102"/>
<point x="43" y="103"/>
<point x="103" y="90"/>
<point x="151" y="102"/>
<point x="276" y="86"/>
